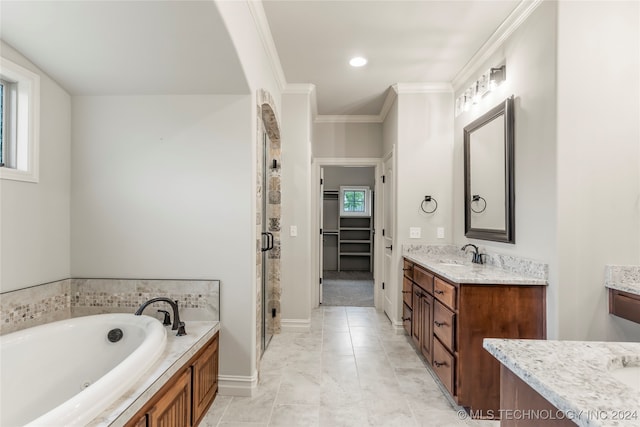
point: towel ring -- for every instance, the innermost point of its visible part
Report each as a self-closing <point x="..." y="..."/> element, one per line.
<point x="428" y="199"/>
<point x="477" y="198"/>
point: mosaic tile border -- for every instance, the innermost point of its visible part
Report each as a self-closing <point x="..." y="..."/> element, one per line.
<point x="50" y="302"/>
<point x="36" y="305"/>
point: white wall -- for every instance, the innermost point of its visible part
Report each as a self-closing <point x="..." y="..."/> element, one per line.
<point x="335" y="176"/>
<point x="347" y="140"/>
<point x="296" y="259"/>
<point x="423" y="167"/>
<point x="162" y="188"/>
<point x="577" y="154"/>
<point x="530" y="58"/>
<point x="34" y="217"/>
<point x="598" y="146"/>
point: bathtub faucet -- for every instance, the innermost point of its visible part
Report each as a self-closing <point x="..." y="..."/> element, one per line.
<point x="177" y="324"/>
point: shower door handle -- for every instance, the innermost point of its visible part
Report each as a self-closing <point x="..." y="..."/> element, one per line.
<point x="269" y="242"/>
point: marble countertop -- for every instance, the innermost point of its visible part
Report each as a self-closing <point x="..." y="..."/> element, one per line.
<point x="460" y="269"/>
<point x="177" y="352"/>
<point x="625" y="278"/>
<point x="573" y="376"/>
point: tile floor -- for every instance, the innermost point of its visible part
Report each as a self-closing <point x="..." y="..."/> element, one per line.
<point x="351" y="369"/>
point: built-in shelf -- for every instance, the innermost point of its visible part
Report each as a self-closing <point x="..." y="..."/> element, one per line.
<point x="347" y="241"/>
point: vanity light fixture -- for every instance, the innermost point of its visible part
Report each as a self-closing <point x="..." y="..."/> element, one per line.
<point x="488" y="81"/>
<point x="497" y="76"/>
<point x="358" y="61"/>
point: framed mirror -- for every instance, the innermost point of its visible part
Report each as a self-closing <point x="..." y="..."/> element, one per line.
<point x="489" y="199"/>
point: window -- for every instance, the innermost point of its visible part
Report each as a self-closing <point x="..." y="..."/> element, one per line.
<point x="19" y="122"/>
<point x="355" y="201"/>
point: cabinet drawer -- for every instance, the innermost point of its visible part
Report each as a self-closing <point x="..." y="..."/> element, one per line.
<point x="407" y="268"/>
<point x="423" y="279"/>
<point x="406" y="318"/>
<point x="407" y="286"/>
<point x="444" y="325"/>
<point x="445" y="292"/>
<point x="625" y="305"/>
<point x="444" y="366"/>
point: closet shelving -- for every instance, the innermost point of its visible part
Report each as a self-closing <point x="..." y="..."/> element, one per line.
<point x="348" y="243"/>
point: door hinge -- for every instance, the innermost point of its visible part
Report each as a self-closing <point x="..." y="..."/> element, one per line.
<point x="383" y="231"/>
<point x="321" y="280"/>
<point x="321" y="231"/>
<point x="321" y="181"/>
<point x="382" y="285"/>
<point x="273" y="312"/>
<point x="383" y="178"/>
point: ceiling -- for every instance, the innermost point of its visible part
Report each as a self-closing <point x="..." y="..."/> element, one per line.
<point x="405" y="42"/>
<point x="95" y="47"/>
<point x="126" y="47"/>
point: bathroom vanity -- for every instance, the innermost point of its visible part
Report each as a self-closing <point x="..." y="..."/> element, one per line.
<point x="451" y="305"/>
<point x="564" y="383"/>
<point x="623" y="284"/>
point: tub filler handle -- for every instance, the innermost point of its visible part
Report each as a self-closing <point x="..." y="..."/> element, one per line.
<point x="177" y="324"/>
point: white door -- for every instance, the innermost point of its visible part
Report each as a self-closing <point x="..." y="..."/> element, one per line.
<point x="321" y="222"/>
<point x="387" y="238"/>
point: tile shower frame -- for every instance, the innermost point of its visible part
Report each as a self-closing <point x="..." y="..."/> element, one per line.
<point x="267" y="120"/>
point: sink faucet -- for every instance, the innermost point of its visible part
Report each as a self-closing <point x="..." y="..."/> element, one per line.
<point x="177" y="324"/>
<point x="477" y="256"/>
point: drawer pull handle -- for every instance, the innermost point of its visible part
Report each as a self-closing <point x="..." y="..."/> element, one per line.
<point x="406" y="292"/>
<point x="439" y="364"/>
<point x="407" y="269"/>
<point x="404" y="319"/>
<point x="439" y="292"/>
<point x="439" y="324"/>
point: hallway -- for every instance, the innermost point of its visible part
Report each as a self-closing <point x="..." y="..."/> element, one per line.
<point x="351" y="369"/>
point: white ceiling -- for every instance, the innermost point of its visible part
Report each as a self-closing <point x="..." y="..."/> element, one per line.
<point x="98" y="47"/>
<point x="405" y="42"/>
<point x="126" y="47"/>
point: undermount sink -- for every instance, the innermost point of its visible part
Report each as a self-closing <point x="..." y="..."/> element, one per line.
<point x="451" y="263"/>
<point x="629" y="376"/>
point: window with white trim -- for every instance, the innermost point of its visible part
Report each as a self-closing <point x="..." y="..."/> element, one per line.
<point x="19" y="118"/>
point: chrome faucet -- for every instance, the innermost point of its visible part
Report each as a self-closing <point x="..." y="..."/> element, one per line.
<point x="477" y="256"/>
<point x="177" y="324"/>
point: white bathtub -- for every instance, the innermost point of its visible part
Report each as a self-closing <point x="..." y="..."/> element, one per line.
<point x="65" y="373"/>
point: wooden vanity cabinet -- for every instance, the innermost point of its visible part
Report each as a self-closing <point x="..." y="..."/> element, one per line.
<point x="449" y="334"/>
<point x="625" y="305"/>
<point x="185" y="398"/>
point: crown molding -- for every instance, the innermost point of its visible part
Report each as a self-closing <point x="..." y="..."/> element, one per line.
<point x="431" y="87"/>
<point x="264" y="31"/>
<point x="299" y="88"/>
<point x="348" y="119"/>
<point x="510" y="24"/>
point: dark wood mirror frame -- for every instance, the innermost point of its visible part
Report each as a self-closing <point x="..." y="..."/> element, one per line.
<point x="508" y="234"/>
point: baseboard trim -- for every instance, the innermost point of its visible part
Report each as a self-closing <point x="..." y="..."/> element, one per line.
<point x="295" y="325"/>
<point x="237" y="385"/>
<point x="398" y="327"/>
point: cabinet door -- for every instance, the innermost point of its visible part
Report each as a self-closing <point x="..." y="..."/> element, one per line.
<point x="205" y="380"/>
<point x="426" y="342"/>
<point x="174" y="407"/>
<point x="417" y="323"/>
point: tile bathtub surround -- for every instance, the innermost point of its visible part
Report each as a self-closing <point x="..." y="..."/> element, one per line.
<point x="350" y="369"/>
<point x="197" y="299"/>
<point x="624" y="278"/>
<point x="574" y="377"/>
<point x="517" y="265"/>
<point x="33" y="306"/>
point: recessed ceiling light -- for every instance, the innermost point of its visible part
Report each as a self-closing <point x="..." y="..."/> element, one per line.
<point x="358" y="61"/>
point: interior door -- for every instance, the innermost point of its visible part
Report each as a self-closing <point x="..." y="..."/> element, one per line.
<point x="321" y="239"/>
<point x="387" y="238"/>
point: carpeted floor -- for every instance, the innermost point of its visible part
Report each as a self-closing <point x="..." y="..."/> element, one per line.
<point x="347" y="288"/>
